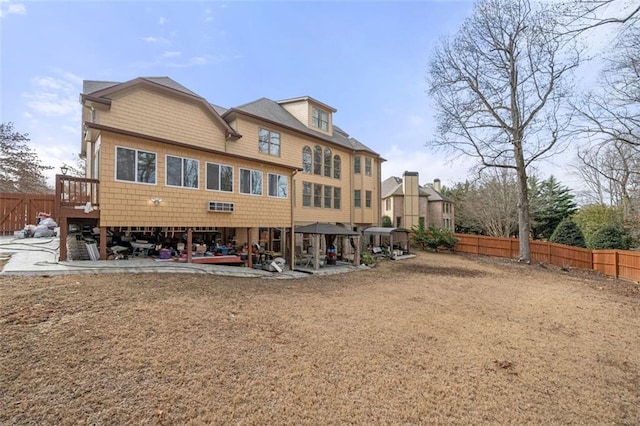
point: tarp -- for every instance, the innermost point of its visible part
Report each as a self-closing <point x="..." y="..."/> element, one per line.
<point x="324" y="229"/>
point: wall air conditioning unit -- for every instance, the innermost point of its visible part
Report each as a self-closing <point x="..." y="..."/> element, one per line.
<point x="219" y="206"/>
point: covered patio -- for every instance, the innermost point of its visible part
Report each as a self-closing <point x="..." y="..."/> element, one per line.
<point x="391" y="242"/>
<point x="330" y="231"/>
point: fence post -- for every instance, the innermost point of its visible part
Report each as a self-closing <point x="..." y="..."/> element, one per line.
<point x="477" y="245"/>
<point x="616" y="261"/>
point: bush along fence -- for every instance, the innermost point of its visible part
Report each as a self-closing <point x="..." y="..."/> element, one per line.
<point x="623" y="264"/>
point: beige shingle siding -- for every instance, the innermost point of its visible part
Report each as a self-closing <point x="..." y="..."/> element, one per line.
<point x="158" y="114"/>
<point x="129" y="204"/>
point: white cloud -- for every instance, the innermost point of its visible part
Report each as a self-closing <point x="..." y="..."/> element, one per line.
<point x="8" y="8"/>
<point x="208" y="15"/>
<point x="152" y="39"/>
<point x="53" y="95"/>
<point x="162" y="20"/>
<point x="170" y="54"/>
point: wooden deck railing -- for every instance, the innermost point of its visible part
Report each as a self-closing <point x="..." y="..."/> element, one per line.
<point x="614" y="263"/>
<point x="74" y="191"/>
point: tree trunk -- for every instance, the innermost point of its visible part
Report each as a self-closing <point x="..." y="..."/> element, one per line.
<point x="523" y="203"/>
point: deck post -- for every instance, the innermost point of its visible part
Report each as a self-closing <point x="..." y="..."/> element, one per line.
<point x="103" y="243"/>
<point x="189" y="244"/>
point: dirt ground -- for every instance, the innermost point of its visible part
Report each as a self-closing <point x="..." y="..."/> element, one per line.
<point x="441" y="338"/>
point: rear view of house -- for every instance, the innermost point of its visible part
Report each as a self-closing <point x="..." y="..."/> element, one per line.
<point x="162" y="162"/>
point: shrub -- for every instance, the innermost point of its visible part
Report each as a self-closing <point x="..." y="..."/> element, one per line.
<point x="367" y="259"/>
<point x="386" y="222"/>
<point x="432" y="238"/>
<point x="610" y="237"/>
<point x="567" y="232"/>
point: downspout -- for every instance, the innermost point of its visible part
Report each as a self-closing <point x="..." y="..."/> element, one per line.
<point x="292" y="243"/>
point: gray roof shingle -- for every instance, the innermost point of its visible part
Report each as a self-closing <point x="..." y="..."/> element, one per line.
<point x="263" y="108"/>
<point x="273" y="111"/>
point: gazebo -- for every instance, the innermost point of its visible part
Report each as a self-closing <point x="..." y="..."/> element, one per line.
<point x="398" y="239"/>
<point x="317" y="229"/>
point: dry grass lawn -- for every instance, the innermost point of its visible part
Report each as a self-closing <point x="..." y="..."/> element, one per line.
<point x="436" y="339"/>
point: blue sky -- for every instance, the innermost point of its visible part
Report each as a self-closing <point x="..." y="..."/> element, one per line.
<point x="366" y="59"/>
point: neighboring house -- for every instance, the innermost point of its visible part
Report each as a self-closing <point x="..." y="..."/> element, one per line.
<point x="408" y="203"/>
<point x="160" y="159"/>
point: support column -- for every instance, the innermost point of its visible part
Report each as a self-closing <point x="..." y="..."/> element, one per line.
<point x="316" y="251"/>
<point x="250" y="249"/>
<point x="103" y="243"/>
<point x="356" y="255"/>
<point x="64" y="231"/>
<point x="189" y="245"/>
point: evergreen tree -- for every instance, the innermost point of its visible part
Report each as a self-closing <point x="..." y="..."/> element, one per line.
<point x="610" y="237"/>
<point x="595" y="216"/>
<point x="20" y="169"/>
<point x="568" y="233"/>
<point x="553" y="202"/>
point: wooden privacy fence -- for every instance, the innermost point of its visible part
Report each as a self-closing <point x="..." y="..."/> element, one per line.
<point x="614" y="263"/>
<point x="17" y="209"/>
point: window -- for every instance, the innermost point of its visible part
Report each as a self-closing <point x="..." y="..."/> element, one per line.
<point x="327" y="162"/>
<point x="356" y="164"/>
<point x="306" y="159"/>
<point x="320" y="119"/>
<point x="317" y="195"/>
<point x="336" y="166"/>
<point x="135" y="166"/>
<point x="328" y="194"/>
<point x="219" y="177"/>
<point x="367" y="199"/>
<point x="367" y="166"/>
<point x="336" y="198"/>
<point x="182" y="172"/>
<point x="317" y="160"/>
<point x="306" y="194"/>
<point x="269" y="142"/>
<point x="387" y="204"/>
<point x="278" y="185"/>
<point x="357" y="195"/>
<point x="398" y="221"/>
<point x="250" y="182"/>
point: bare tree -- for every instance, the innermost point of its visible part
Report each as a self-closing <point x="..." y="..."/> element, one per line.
<point x="585" y="15"/>
<point x="20" y="167"/>
<point x="611" y="172"/>
<point x="612" y="110"/>
<point x="499" y="89"/>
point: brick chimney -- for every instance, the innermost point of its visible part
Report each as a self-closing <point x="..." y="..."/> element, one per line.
<point x="436" y="184"/>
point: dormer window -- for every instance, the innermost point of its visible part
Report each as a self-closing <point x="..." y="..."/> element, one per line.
<point x="320" y="119"/>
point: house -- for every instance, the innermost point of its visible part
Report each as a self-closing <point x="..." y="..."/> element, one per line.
<point x="408" y="203"/>
<point x="163" y="162"/>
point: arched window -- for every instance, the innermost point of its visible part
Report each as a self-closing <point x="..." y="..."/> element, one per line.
<point x="306" y="159"/>
<point x="317" y="160"/>
<point x="327" y="162"/>
<point x="336" y="166"/>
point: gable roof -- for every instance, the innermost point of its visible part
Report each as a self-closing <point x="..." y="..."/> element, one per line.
<point x="272" y="111"/>
<point x="263" y="108"/>
<point x="393" y="186"/>
<point x="103" y="89"/>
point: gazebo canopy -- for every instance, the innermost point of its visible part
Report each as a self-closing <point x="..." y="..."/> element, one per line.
<point x="376" y="230"/>
<point x="323" y="229"/>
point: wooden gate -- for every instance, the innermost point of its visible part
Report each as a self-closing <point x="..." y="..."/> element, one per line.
<point x="17" y="210"/>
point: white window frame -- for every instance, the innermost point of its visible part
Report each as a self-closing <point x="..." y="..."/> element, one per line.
<point x="280" y="178"/>
<point x="252" y="173"/>
<point x="220" y="166"/>
<point x="320" y="119"/>
<point x="182" y="169"/>
<point x="270" y="134"/>
<point x="155" y="172"/>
